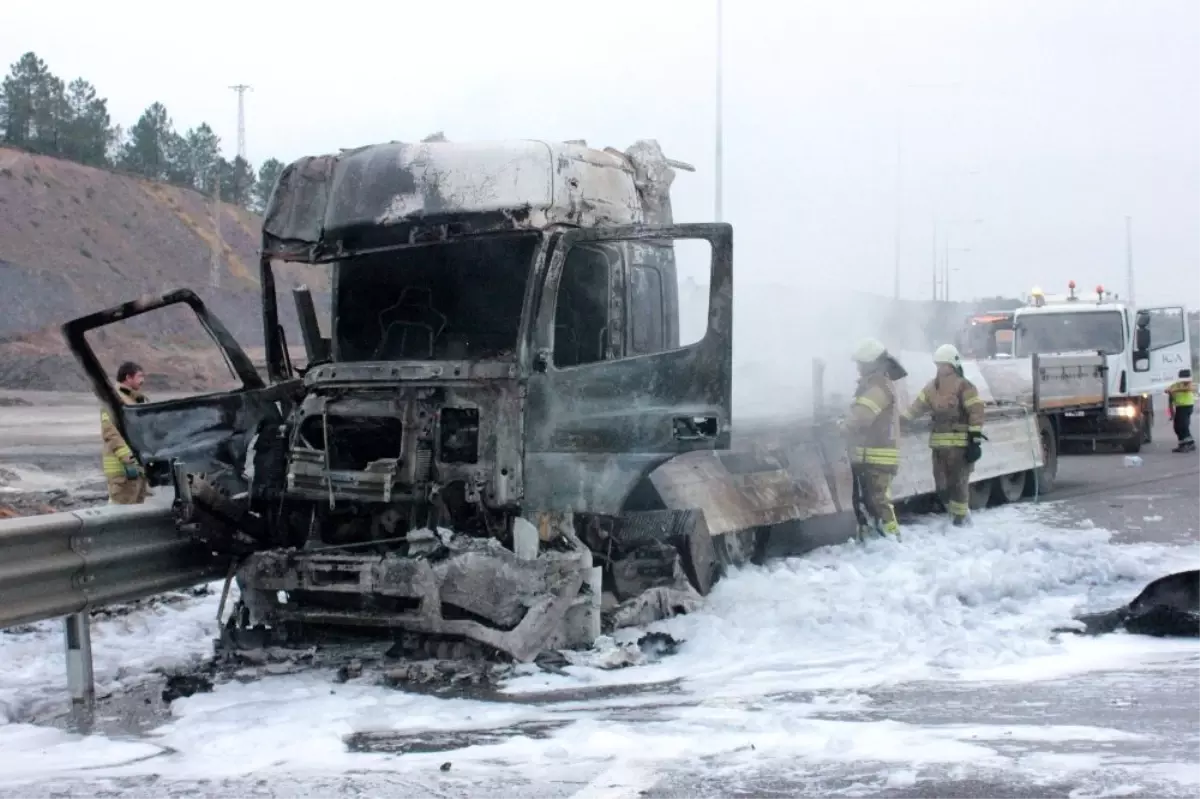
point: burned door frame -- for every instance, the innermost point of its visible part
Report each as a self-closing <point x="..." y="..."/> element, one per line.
<point x="208" y="433"/>
<point x="595" y="430"/>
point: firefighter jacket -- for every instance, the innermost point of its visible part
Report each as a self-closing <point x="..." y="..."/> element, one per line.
<point x="956" y="408"/>
<point x="116" y="450"/>
<point x="871" y="424"/>
<point x="1181" y="394"/>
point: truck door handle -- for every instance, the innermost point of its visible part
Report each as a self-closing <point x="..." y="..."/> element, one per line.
<point x="694" y="428"/>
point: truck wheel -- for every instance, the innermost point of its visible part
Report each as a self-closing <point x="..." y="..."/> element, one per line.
<point x="686" y="531"/>
<point x="741" y="548"/>
<point x="978" y="494"/>
<point x="1148" y="424"/>
<point x="1008" y="488"/>
<point x="1133" y="443"/>
<point x="1041" y="481"/>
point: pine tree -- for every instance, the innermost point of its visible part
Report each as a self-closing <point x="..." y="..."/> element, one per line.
<point x="268" y="176"/>
<point x="237" y="181"/>
<point x="146" y="150"/>
<point x="22" y="89"/>
<point x="205" y="149"/>
<point x="89" y="127"/>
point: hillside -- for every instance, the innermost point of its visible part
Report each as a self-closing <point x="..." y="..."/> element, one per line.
<point x="75" y="239"/>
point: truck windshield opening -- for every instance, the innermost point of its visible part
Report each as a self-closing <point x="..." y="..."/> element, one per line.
<point x="459" y="300"/>
<point x="1078" y="331"/>
<point x="985" y="339"/>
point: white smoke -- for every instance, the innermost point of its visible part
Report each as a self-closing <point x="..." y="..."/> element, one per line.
<point x="779" y="330"/>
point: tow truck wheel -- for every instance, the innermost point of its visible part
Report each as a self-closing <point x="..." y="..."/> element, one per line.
<point x="1133" y="443"/>
<point x="979" y="493"/>
<point x="1041" y="481"/>
<point x="1008" y="488"/>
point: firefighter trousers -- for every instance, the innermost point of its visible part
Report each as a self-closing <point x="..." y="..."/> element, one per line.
<point x="875" y="489"/>
<point x="123" y="491"/>
<point x="952" y="477"/>
<point x="1183" y="423"/>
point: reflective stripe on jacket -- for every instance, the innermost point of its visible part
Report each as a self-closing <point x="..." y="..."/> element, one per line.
<point x="116" y="452"/>
<point x="1182" y="394"/>
<point x="871" y="424"/>
<point x="955" y="406"/>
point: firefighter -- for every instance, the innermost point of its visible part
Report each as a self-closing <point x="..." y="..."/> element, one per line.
<point x="957" y="410"/>
<point x="1181" y="398"/>
<point x="871" y="427"/>
<point x="126" y="480"/>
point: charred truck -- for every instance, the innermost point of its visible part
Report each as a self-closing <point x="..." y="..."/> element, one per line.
<point x="464" y="460"/>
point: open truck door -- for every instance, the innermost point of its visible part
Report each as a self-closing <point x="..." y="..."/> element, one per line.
<point x="1161" y="347"/>
<point x="209" y="433"/>
<point x="611" y="393"/>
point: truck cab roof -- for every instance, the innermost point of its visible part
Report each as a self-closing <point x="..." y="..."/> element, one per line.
<point x="328" y="206"/>
<point x="1078" y="306"/>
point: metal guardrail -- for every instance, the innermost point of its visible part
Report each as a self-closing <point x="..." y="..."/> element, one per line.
<point x="67" y="564"/>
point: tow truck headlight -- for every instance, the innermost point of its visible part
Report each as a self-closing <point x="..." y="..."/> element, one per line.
<point x="1123" y="411"/>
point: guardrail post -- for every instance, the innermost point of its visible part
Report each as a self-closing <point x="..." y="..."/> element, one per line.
<point x="81" y="681"/>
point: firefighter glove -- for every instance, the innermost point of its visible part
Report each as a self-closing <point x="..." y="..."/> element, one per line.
<point x="131" y="471"/>
<point x="974" y="449"/>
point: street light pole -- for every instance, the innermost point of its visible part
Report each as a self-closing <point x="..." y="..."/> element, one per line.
<point x="899" y="199"/>
<point x="719" y="175"/>
<point x="901" y="97"/>
<point x="946" y="279"/>
<point x="1129" y="259"/>
<point x="945" y="259"/>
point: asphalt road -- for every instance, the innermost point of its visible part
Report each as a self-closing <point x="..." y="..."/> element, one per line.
<point x="1157" y="500"/>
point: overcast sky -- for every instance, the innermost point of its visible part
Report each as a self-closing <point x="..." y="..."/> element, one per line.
<point x="1048" y="120"/>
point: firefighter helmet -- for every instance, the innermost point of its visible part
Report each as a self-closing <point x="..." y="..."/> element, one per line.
<point x="948" y="354"/>
<point x="869" y="351"/>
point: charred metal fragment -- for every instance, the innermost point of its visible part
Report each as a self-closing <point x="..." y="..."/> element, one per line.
<point x="1167" y="607"/>
<point x="470" y="588"/>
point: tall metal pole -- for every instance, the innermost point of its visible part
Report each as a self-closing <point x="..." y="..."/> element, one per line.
<point x="719" y="154"/>
<point x="934" y="263"/>
<point x="214" y="266"/>
<point x="241" y="133"/>
<point x="946" y="268"/>
<point x="1129" y="258"/>
<point x="899" y="198"/>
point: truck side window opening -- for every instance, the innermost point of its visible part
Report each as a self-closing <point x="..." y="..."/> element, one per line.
<point x="455" y="300"/>
<point x="581" y="309"/>
<point x="646" y="309"/>
<point x="1167" y="327"/>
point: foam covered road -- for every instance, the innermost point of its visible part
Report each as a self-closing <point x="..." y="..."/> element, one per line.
<point x="927" y="668"/>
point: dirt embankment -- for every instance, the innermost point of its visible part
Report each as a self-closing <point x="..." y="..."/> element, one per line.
<point x="75" y="239"/>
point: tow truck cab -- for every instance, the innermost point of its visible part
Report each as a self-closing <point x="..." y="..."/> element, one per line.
<point x="1143" y="351"/>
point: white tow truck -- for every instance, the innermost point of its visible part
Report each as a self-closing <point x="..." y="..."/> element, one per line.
<point x="1097" y="364"/>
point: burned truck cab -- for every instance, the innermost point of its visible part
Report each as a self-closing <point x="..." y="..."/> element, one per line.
<point x="506" y="350"/>
<point x="428" y="398"/>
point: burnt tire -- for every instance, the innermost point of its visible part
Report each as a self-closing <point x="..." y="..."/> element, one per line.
<point x="1041" y="480"/>
<point x="742" y="548"/>
<point x="685" y="530"/>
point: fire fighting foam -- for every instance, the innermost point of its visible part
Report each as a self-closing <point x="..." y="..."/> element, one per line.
<point x="779" y="660"/>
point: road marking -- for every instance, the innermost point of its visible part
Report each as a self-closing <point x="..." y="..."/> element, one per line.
<point x="621" y="780"/>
